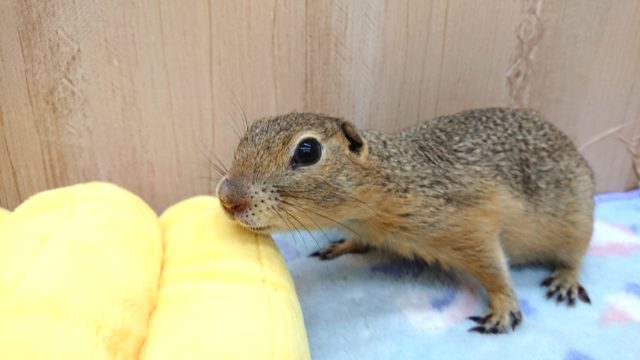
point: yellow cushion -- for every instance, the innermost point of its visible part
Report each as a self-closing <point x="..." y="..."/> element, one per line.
<point x="79" y="270"/>
<point x="225" y="293"/>
<point x="80" y="276"/>
<point x="3" y="214"/>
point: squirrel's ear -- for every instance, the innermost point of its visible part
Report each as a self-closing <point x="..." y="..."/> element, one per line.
<point x="356" y="144"/>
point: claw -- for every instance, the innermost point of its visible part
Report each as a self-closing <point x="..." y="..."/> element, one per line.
<point x="322" y="255"/>
<point x="495" y="328"/>
<point x="516" y="319"/>
<point x="478" y="329"/>
<point x="479" y="319"/>
<point x="582" y="294"/>
<point x="484" y="330"/>
<point x="329" y="252"/>
<point x="546" y="282"/>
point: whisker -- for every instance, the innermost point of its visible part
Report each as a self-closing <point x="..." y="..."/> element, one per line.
<point x="288" y="224"/>
<point x="238" y="105"/>
<point x="285" y="222"/>
<point x="219" y="171"/>
<point x="234" y="128"/>
<point x="209" y="178"/>
<point x="313" y="221"/>
<point x="220" y="162"/>
<point x="322" y="216"/>
<point x="275" y="211"/>
<point x="208" y="161"/>
<point x="302" y="225"/>
<point x="294" y="227"/>
<point x="210" y="166"/>
<point x="293" y="191"/>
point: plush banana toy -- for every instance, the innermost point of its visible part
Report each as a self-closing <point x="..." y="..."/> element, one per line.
<point x="90" y="272"/>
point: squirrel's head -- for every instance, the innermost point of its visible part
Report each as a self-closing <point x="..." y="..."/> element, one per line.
<point x="296" y="171"/>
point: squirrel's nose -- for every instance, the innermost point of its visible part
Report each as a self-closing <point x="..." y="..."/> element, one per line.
<point x="230" y="198"/>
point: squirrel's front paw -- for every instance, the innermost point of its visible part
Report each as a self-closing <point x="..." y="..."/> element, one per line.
<point x="340" y="247"/>
<point x="497" y="322"/>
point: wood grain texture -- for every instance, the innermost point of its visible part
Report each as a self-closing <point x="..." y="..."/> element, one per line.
<point x="144" y="93"/>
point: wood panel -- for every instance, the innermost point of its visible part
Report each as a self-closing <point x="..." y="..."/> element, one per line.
<point x="140" y="93"/>
<point x="144" y="93"/>
<point x="394" y="63"/>
<point x="586" y="78"/>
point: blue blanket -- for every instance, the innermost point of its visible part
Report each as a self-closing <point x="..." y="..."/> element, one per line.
<point x="376" y="306"/>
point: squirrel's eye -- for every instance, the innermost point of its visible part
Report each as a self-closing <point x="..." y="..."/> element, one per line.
<point x="307" y="153"/>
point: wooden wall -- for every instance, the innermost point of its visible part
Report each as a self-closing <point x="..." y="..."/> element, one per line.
<point x="142" y="92"/>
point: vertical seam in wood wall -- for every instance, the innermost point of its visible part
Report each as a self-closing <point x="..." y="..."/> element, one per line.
<point x="12" y="168"/>
<point x="419" y="115"/>
<point x="274" y="53"/>
<point x="211" y="185"/>
<point x="444" y="45"/>
<point x="306" y="56"/>
<point x="172" y="112"/>
<point x="529" y="34"/>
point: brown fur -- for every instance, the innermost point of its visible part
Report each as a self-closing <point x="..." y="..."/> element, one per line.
<point x="473" y="191"/>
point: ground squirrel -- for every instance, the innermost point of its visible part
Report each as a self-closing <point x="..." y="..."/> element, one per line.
<point x="475" y="191"/>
